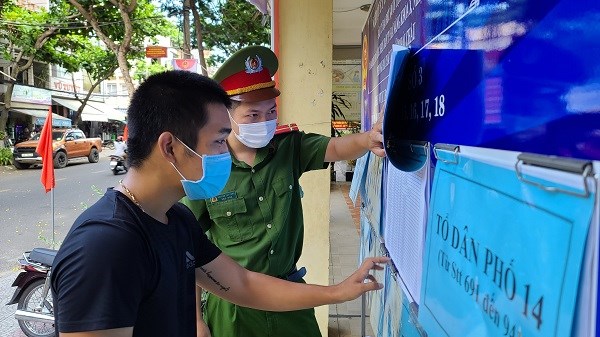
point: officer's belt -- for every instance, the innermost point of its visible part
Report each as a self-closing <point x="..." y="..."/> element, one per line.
<point x="295" y="275"/>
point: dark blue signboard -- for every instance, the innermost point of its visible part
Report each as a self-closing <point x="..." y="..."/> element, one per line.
<point x="518" y="75"/>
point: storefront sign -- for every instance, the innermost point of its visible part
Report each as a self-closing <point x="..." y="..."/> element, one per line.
<point x="155" y="52"/>
<point x="61" y="123"/>
<point x="62" y="85"/>
<point x="33" y="95"/>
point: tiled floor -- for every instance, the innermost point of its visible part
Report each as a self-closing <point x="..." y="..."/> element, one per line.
<point x="344" y="319"/>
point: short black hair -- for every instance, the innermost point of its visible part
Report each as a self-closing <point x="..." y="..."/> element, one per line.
<point x="174" y="101"/>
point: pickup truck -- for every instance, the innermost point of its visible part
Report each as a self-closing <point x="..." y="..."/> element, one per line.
<point x="67" y="144"/>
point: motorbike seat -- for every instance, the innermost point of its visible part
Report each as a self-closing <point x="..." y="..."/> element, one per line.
<point x="43" y="255"/>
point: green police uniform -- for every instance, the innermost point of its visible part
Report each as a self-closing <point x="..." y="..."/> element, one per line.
<point x="257" y="220"/>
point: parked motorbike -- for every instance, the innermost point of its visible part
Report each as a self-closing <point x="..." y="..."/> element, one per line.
<point x="117" y="164"/>
<point x="35" y="312"/>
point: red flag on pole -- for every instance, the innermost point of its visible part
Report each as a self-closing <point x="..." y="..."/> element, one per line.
<point x="44" y="149"/>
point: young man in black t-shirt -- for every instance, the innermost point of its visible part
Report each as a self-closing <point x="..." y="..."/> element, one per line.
<point x="129" y="265"/>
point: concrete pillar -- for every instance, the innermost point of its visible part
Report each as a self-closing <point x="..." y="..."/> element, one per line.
<point x="304" y="45"/>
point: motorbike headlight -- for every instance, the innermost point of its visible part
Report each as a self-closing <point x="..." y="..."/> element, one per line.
<point x="113" y="164"/>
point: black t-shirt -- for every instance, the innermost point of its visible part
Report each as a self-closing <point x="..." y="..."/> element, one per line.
<point x="119" y="267"/>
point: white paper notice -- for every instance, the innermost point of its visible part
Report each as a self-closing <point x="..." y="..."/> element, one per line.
<point x="405" y="220"/>
<point x="358" y="179"/>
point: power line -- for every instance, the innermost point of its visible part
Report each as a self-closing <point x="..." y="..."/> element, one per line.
<point x="68" y="25"/>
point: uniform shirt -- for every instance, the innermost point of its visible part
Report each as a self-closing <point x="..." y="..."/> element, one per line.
<point x="257" y="220"/>
<point x="119" y="267"/>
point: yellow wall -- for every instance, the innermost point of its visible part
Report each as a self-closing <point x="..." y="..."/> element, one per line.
<point x="305" y="57"/>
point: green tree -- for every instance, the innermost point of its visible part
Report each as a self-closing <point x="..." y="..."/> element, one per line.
<point x="122" y="25"/>
<point x="24" y="37"/>
<point x="144" y="69"/>
<point x="229" y="25"/>
<point x="99" y="62"/>
<point x="76" y="52"/>
<point x="222" y="26"/>
<point x="185" y="42"/>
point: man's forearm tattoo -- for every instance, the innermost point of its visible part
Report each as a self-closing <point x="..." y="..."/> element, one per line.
<point x="209" y="275"/>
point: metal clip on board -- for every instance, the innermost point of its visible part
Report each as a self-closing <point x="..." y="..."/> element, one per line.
<point x="406" y="155"/>
<point x="446" y="147"/>
<point x="418" y="147"/>
<point x="575" y="166"/>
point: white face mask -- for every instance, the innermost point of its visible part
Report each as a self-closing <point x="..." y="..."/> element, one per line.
<point x="256" y="135"/>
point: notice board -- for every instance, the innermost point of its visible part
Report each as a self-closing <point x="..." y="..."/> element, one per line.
<point x="518" y="83"/>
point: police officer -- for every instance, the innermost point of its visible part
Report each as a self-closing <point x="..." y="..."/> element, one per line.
<point x="257" y="218"/>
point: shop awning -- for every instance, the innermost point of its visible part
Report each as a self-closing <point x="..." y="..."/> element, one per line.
<point x="40" y="117"/>
<point x="89" y="113"/>
<point x="110" y="112"/>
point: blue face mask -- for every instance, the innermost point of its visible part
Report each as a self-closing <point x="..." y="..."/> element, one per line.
<point x="216" y="169"/>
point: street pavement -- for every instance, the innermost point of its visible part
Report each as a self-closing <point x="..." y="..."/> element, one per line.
<point x="26" y="218"/>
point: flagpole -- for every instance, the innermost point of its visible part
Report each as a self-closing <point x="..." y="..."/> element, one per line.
<point x="45" y="150"/>
<point x="52" y="202"/>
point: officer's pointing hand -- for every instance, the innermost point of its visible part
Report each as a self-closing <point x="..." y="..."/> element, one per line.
<point x="355" y="285"/>
<point x="376" y="138"/>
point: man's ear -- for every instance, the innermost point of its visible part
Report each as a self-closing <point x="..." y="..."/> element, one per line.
<point x="166" y="145"/>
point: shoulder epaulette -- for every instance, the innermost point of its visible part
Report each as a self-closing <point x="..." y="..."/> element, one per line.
<point x="286" y="128"/>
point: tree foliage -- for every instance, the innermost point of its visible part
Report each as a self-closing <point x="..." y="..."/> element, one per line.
<point x="230" y="25"/>
<point x="221" y="26"/>
<point x="123" y="26"/>
<point x="25" y="32"/>
<point x="100" y="35"/>
<point x="24" y="38"/>
<point x="144" y="69"/>
<point x="97" y="36"/>
<point x="76" y="52"/>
